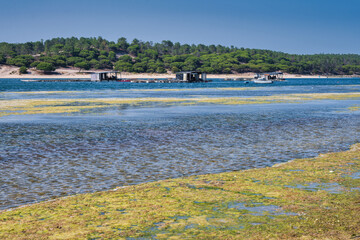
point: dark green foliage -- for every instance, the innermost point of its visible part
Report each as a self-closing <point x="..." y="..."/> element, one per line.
<point x="45" y="66"/>
<point x="134" y="49"/>
<point x="2" y="59"/>
<point x="83" y="65"/>
<point x="94" y="64"/>
<point x="140" y="56"/>
<point x="105" y="64"/>
<point x="34" y="64"/>
<point x="71" y="61"/>
<point x="122" y="44"/>
<point x="123" y="66"/>
<point x="23" y="70"/>
<point x="125" y="58"/>
<point x="112" y="56"/>
<point x="160" y="70"/>
<point x="20" y="60"/>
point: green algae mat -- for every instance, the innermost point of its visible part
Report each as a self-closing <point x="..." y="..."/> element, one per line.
<point x="88" y="105"/>
<point x="316" y="198"/>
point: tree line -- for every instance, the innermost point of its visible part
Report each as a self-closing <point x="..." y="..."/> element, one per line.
<point x="148" y="57"/>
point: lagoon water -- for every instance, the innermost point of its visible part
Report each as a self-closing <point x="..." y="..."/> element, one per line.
<point x="44" y="156"/>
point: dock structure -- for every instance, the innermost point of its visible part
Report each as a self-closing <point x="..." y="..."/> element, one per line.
<point x="181" y="77"/>
<point x="191" y="76"/>
<point x="104" y="76"/>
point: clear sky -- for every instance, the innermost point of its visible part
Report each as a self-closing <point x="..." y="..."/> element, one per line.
<point x="293" y="26"/>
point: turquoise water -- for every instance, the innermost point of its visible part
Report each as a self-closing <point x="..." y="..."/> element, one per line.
<point x="44" y="156"/>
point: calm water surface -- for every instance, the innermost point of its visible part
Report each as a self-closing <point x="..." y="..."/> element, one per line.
<point x="47" y="156"/>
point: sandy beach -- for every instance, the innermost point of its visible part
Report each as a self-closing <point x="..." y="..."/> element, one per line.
<point x="13" y="72"/>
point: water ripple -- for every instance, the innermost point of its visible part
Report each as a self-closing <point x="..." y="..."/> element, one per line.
<point x="47" y="159"/>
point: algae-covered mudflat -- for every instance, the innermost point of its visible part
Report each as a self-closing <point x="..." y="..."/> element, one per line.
<point x="81" y="105"/>
<point x="316" y="198"/>
<point x="186" y="160"/>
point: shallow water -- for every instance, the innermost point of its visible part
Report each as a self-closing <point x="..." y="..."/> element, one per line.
<point x="45" y="156"/>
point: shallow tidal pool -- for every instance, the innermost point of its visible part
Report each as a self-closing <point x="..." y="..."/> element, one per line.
<point x="44" y="154"/>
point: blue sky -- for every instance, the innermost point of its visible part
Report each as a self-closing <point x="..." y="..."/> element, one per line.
<point x="293" y="26"/>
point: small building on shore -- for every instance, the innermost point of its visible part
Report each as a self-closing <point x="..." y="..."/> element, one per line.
<point x="104" y="76"/>
<point x="191" y="76"/>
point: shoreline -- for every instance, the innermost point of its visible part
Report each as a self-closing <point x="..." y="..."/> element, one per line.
<point x="285" y="208"/>
<point x="11" y="72"/>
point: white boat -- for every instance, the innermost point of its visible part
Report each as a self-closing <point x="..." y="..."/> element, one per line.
<point x="268" y="77"/>
<point x="262" y="80"/>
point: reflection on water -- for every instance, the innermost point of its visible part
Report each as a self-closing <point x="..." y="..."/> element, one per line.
<point x="50" y="156"/>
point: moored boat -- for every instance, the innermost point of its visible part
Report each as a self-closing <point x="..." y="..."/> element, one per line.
<point x="268" y="77"/>
<point x="262" y="80"/>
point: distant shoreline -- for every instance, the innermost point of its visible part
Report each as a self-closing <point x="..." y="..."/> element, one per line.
<point x="13" y="72"/>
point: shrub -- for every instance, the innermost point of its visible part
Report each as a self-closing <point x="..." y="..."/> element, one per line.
<point x="46" y="67"/>
<point x="23" y="70"/>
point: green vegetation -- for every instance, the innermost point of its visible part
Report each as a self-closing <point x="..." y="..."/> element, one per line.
<point x="316" y="198"/>
<point x="2" y="59"/>
<point x="23" y="70"/>
<point x="45" y="66"/>
<point x="139" y="56"/>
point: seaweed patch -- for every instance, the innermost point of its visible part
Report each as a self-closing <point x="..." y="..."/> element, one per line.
<point x="304" y="198"/>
